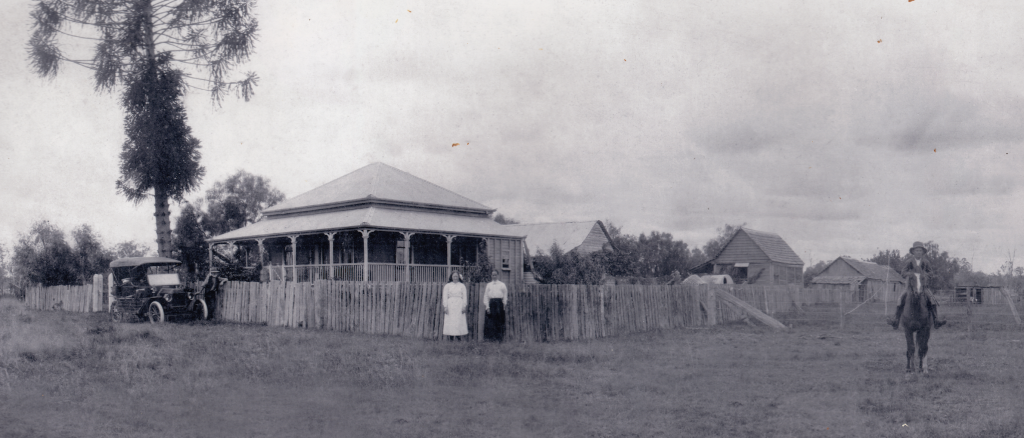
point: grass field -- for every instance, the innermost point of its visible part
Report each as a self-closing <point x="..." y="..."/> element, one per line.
<point x="77" y="375"/>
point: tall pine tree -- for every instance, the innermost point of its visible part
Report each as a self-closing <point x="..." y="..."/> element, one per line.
<point x="155" y="50"/>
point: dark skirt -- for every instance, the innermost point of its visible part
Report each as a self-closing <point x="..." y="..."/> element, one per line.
<point x="494" y="324"/>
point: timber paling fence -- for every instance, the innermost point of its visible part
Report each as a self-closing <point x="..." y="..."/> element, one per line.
<point x="74" y="298"/>
<point x="541" y="312"/>
<point x="534" y="312"/>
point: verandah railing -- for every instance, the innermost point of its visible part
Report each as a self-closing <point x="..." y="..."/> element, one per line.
<point x="382" y="272"/>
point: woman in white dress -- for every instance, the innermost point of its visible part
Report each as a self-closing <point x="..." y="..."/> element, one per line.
<point x="454" y="301"/>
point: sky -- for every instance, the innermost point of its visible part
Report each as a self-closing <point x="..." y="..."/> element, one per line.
<point x="844" y="127"/>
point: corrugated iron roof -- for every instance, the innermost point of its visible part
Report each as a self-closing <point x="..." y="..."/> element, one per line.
<point x="846" y="279"/>
<point x="568" y="235"/>
<point x="773" y="246"/>
<point x="369" y="217"/>
<point x="377" y="182"/>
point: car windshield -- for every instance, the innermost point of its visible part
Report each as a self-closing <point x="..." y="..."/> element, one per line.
<point x="162" y="276"/>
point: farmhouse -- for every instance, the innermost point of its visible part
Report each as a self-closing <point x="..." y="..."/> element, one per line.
<point x="864" y="280"/>
<point x="378" y="223"/>
<point x="755" y="257"/>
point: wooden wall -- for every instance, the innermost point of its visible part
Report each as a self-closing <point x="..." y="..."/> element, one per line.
<point x="594" y="241"/>
<point x="511" y="249"/>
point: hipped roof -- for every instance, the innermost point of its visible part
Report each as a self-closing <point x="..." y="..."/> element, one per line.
<point x="376" y="196"/>
<point x="375" y="217"/>
<point x="378" y="183"/>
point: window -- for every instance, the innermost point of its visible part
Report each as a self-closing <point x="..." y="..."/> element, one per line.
<point x="506" y="257"/>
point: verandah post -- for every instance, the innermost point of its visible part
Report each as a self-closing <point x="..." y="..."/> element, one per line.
<point x="366" y="253"/>
<point x="330" y="252"/>
<point x="448" y="263"/>
<point x="295" y="252"/>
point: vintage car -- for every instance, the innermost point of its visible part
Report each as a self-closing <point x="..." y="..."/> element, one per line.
<point x="149" y="287"/>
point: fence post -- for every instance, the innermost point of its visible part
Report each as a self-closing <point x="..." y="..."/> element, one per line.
<point x="840" y="312"/>
<point x="110" y="291"/>
<point x="712" y="306"/>
<point x="97" y="293"/>
<point x="601" y="293"/>
<point x="968" y="303"/>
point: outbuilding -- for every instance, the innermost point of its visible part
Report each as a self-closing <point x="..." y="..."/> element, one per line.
<point x="755" y="257"/>
<point x="864" y="280"/>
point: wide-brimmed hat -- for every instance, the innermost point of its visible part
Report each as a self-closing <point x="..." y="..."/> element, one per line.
<point x="918" y="245"/>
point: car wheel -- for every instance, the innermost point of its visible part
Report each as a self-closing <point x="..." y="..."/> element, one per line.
<point x="117" y="313"/>
<point x="200" y="311"/>
<point x="156" y="312"/>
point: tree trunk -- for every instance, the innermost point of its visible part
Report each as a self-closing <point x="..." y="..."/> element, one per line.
<point x="163" y="223"/>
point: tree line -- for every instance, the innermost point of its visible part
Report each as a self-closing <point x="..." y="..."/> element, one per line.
<point x="47" y="255"/>
<point x="648" y="258"/>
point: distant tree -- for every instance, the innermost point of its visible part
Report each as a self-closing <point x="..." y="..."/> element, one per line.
<point x="889" y="257"/>
<point x="697" y="257"/>
<point x="504" y="220"/>
<point x="90" y="255"/>
<point x="147" y="46"/>
<point x="189" y="238"/>
<point x="6" y="274"/>
<point x="238" y="201"/>
<point x="131" y="248"/>
<point x="814" y="271"/>
<point x="43" y="256"/>
<point x="624" y="259"/>
<point x="567" y="268"/>
<point x="659" y="255"/>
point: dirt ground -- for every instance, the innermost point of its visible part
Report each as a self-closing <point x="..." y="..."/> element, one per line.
<point x="77" y="375"/>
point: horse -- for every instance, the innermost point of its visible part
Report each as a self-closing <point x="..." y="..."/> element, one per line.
<point x="917" y="323"/>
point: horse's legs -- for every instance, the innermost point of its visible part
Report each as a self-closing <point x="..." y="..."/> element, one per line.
<point x="910" y="349"/>
<point x="922" y="347"/>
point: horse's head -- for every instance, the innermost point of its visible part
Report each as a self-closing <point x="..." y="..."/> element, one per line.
<point x="917" y="283"/>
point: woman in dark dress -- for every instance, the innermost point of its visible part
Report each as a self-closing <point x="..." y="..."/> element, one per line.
<point x="495" y="298"/>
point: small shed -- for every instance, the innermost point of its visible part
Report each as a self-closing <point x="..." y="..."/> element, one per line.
<point x="759" y="257"/>
<point x="975" y="293"/>
<point x="865" y="280"/>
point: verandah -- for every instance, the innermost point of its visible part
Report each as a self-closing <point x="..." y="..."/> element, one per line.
<point x="361" y="255"/>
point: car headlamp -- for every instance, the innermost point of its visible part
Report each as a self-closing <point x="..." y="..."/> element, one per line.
<point x="167" y="297"/>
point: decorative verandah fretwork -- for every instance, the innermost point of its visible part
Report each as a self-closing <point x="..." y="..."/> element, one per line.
<point x="362" y="254"/>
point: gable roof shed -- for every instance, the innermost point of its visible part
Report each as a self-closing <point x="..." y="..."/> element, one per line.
<point x="748" y="245"/>
<point x="584" y="237"/>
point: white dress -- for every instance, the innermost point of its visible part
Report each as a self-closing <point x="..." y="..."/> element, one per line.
<point x="453" y="298"/>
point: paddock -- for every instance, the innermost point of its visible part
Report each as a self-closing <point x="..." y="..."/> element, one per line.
<point x="72" y="374"/>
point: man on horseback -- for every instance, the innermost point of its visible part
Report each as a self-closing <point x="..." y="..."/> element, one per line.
<point x="918" y="268"/>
